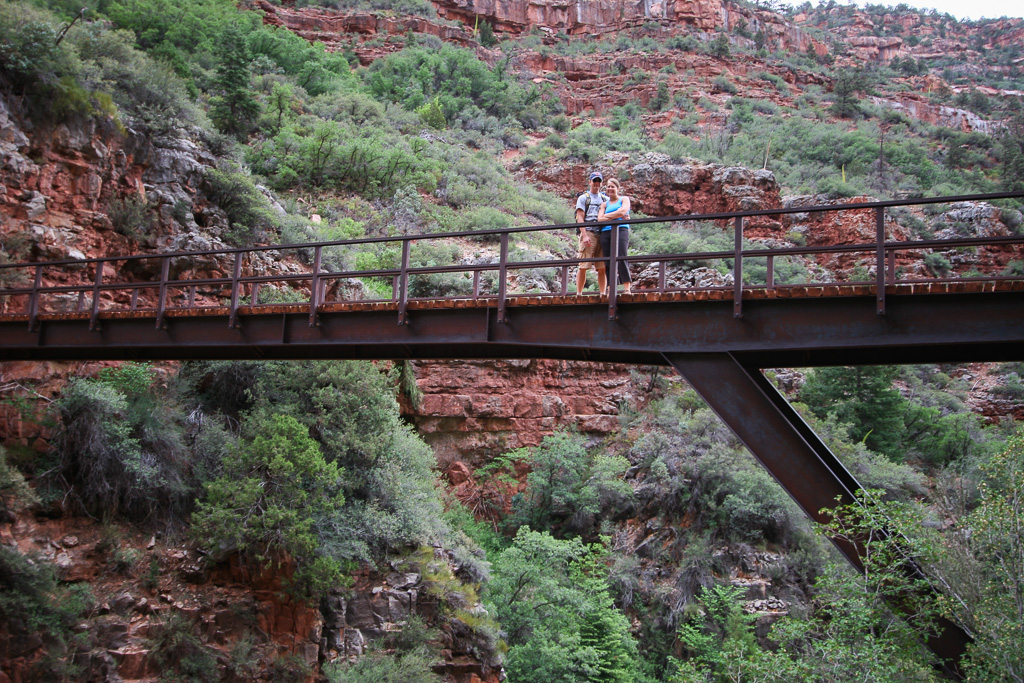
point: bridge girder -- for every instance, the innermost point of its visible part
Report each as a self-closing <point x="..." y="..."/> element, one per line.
<point x="771" y="333"/>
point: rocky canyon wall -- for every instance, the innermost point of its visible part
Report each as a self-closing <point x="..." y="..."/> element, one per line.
<point x="473" y="410"/>
<point x="579" y="16"/>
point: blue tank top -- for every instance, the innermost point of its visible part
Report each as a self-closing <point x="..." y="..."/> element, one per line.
<point x="614" y="206"/>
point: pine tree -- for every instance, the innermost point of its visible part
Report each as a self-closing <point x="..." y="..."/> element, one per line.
<point x="235" y="110"/>
<point x="432" y="115"/>
<point x="720" y="46"/>
<point x="1011" y="148"/>
<point x="862" y="397"/>
<point x="846" y="103"/>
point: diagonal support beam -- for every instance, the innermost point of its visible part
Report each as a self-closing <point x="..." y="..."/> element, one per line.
<point x="792" y="453"/>
<point x="776" y="435"/>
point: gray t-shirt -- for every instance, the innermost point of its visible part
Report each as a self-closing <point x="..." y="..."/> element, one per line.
<point x="595" y="205"/>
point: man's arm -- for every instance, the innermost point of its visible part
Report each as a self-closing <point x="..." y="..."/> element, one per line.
<point x="582" y="232"/>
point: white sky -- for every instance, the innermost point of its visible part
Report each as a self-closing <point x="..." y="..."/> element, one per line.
<point x="964" y="9"/>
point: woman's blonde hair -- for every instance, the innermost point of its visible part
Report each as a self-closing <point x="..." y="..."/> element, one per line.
<point x="614" y="182"/>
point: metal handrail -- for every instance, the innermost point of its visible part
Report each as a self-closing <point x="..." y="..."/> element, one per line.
<point x="400" y="276"/>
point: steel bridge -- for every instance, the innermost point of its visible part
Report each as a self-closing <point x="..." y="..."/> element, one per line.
<point x="208" y="305"/>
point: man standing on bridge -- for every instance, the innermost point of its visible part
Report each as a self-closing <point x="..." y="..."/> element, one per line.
<point x="587" y="206"/>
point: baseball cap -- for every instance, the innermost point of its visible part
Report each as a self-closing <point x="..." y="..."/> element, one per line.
<point x="596" y="175"/>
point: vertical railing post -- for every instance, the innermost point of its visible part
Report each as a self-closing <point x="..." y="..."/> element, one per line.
<point x="502" y="277"/>
<point x="94" y="319"/>
<point x="314" y="287"/>
<point x="255" y="300"/>
<point x="476" y="284"/>
<point x="565" y="280"/>
<point x="236" y="274"/>
<point x="880" y="259"/>
<point x="737" y="271"/>
<point x="892" y="267"/>
<point x="770" y="283"/>
<point x="403" y="285"/>
<point x="191" y="297"/>
<point x="33" y="301"/>
<point x="613" y="275"/>
<point x="661" y="276"/>
<point x="161" y="303"/>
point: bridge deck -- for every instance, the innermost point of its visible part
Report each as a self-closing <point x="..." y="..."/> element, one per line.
<point x="782" y="327"/>
<point x="749" y="293"/>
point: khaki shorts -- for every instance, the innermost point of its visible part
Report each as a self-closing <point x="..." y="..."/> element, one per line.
<point x="593" y="250"/>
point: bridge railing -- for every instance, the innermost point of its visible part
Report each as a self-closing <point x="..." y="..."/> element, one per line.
<point x="182" y="282"/>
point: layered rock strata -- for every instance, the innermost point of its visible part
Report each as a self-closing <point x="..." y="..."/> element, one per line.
<point x="474" y="410"/>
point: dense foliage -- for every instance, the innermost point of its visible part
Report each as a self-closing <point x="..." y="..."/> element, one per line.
<point x="553" y="600"/>
<point x="264" y="503"/>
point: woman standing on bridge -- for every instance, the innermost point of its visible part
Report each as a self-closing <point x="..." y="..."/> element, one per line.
<point x="617" y="206"/>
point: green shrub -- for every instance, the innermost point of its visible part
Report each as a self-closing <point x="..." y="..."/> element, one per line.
<point x="235" y="192"/>
<point x="432" y="115"/>
<point x="846" y="102"/>
<point x="723" y="84"/>
<point x="243" y="657"/>
<point x="402" y="667"/>
<point x="487" y="38"/>
<point x="677" y="146"/>
<point x="682" y="43"/>
<point x="289" y="669"/>
<point x="149" y="97"/>
<point x="719" y="47"/>
<point x="463" y="86"/>
<point x="483" y="218"/>
<point x="835" y="187"/>
<point x="862" y="397"/>
<point x="937" y="263"/>
<point x="234" y="109"/>
<point x="128" y="215"/>
<point x="350" y="410"/>
<point x="15" y="494"/>
<point x="29" y="53"/>
<point x="265" y="503"/>
<point x="122" y="453"/>
<point x="568" y="489"/>
<point x="1013" y="381"/>
<point x="177" y="648"/>
<point x="553" y="601"/>
<point x="662" y="97"/>
<point x="367" y="159"/>
<point x="34" y="604"/>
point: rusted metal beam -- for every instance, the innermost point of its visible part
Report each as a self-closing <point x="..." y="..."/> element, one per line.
<point x="97" y="285"/>
<point x="771" y="333"/>
<point x="880" y="259"/>
<point x="503" y="278"/>
<point x="161" y="306"/>
<point x="737" y="269"/>
<point x="33" y="302"/>
<point x="236" y="274"/>
<point x="793" y="454"/>
<point x="403" y="284"/>
<point x="776" y="435"/>
<point x="314" y="288"/>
